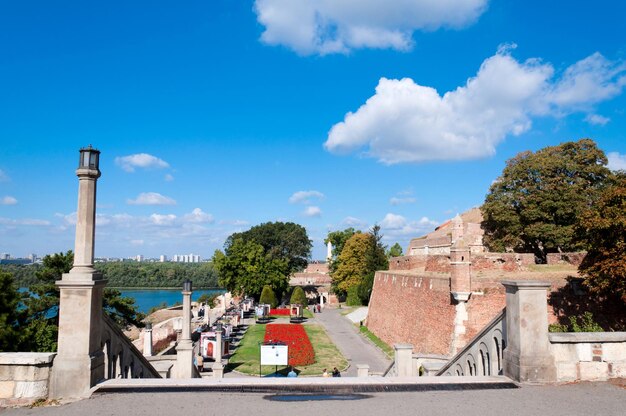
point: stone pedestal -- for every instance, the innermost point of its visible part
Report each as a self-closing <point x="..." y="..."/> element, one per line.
<point x="527" y="356"/>
<point x="460" y="317"/>
<point x="79" y="364"/>
<point x="218" y="370"/>
<point x="362" y="370"/>
<point x="403" y="360"/>
<point x="218" y="345"/>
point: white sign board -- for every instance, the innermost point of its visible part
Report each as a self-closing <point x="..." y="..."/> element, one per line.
<point x="274" y="354"/>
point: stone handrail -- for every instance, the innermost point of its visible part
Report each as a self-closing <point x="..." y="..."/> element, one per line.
<point x="121" y="358"/>
<point x="482" y="356"/>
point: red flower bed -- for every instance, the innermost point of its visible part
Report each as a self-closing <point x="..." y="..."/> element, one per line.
<point x="300" y="348"/>
<point x="281" y="312"/>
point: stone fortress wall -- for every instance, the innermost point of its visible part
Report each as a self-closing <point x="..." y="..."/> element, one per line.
<point x="441" y="296"/>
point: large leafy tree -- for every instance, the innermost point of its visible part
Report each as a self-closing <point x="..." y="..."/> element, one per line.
<point x="338" y="240"/>
<point x="40" y="317"/>
<point x="9" y="299"/>
<point x="362" y="255"/>
<point x="536" y="202"/>
<point x="280" y="241"/>
<point x="245" y="268"/>
<point x="395" y="250"/>
<point x="603" y="228"/>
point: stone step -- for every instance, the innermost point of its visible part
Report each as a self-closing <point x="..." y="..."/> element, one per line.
<point x="343" y="385"/>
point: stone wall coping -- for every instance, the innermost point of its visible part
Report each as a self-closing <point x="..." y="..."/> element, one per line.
<point x="403" y="346"/>
<point x="586" y="337"/>
<point x="26" y="358"/>
<point x="526" y="284"/>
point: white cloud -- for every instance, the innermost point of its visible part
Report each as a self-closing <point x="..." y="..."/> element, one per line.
<point x="331" y="26"/>
<point x="597" y="119"/>
<point x="151" y="198"/>
<point x="354" y="222"/>
<point x="8" y="200"/>
<point x="137" y="242"/>
<point x="312" y="211"/>
<point x="140" y="160"/>
<point x="159" y="219"/>
<point x="198" y="216"/>
<point x="616" y="161"/>
<point x="408" y="122"/>
<point x="305" y="197"/>
<point x="168" y="177"/>
<point x="4" y="177"/>
<point x="397" y="201"/>
<point x="23" y="221"/>
<point x="395" y="226"/>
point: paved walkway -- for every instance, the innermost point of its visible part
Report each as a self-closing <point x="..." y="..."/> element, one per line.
<point x="352" y="345"/>
<point x="567" y="400"/>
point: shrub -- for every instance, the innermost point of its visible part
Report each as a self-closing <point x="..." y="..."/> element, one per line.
<point x="268" y="297"/>
<point x="353" y="297"/>
<point x="298" y="296"/>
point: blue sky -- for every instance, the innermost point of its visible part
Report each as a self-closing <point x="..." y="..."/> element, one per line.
<point x="213" y="116"/>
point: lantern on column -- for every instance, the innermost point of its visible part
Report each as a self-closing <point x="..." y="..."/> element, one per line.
<point x="89" y="158"/>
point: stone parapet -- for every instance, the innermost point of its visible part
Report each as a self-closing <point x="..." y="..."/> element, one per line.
<point x="589" y="356"/>
<point x="24" y="377"/>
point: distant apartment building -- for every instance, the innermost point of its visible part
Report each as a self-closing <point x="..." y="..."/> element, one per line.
<point x="163" y="258"/>
<point x="5" y="256"/>
<point x="186" y="258"/>
<point x="139" y="258"/>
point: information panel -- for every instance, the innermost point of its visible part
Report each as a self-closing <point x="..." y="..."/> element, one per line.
<point x="274" y="354"/>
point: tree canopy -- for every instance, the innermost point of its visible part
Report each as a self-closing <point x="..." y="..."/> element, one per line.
<point x="280" y="240"/>
<point x="536" y="202"/>
<point x="298" y="296"/>
<point x="603" y="228"/>
<point x="9" y="299"/>
<point x="394" y="251"/>
<point x="245" y="268"/>
<point x="268" y="297"/>
<point x="338" y="240"/>
<point x="362" y="255"/>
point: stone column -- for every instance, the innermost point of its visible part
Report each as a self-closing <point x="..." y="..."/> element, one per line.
<point x="527" y="357"/>
<point x="218" y="344"/>
<point x="147" y="340"/>
<point x="184" y="349"/>
<point x="79" y="363"/>
<point x="403" y="359"/>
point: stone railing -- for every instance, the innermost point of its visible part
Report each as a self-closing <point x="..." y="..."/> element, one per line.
<point x="588" y="356"/>
<point x="24" y="377"/>
<point x="482" y="356"/>
<point x="121" y="358"/>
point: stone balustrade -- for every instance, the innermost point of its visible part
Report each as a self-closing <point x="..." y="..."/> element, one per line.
<point x="24" y="376"/>
<point x="121" y="358"/>
<point x="482" y="356"/>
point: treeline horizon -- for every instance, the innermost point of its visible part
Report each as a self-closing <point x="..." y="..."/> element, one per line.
<point x="135" y="275"/>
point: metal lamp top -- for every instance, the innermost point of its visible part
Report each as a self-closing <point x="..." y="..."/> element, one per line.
<point x="187" y="286"/>
<point x="89" y="158"/>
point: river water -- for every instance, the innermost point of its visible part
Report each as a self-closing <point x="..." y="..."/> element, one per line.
<point x="148" y="298"/>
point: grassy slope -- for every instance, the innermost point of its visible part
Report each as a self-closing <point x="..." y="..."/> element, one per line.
<point x="246" y="357"/>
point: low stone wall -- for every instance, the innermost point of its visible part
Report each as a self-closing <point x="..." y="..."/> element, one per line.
<point x="589" y="356"/>
<point x="24" y="376"/>
<point x="568" y="258"/>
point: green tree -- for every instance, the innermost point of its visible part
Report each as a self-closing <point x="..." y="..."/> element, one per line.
<point x="268" y="297"/>
<point x="353" y="263"/>
<point x="245" y="268"/>
<point x="603" y="228"/>
<point x="298" y="296"/>
<point x="338" y="240"/>
<point x="9" y="299"/>
<point x="280" y="241"/>
<point x="40" y="319"/>
<point x="394" y="251"/>
<point x="536" y="202"/>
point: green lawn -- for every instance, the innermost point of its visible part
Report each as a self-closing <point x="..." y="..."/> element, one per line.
<point x="246" y="357"/>
<point x="379" y="342"/>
